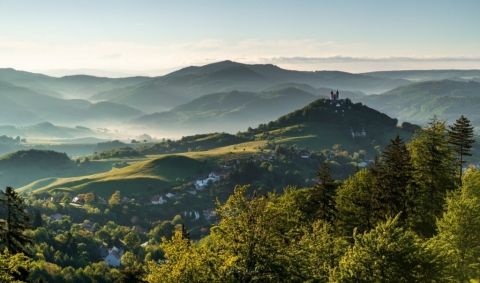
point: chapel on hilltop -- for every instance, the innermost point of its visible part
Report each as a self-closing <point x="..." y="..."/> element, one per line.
<point x="334" y="95"/>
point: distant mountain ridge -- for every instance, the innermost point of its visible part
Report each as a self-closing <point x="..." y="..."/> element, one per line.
<point x="21" y="105"/>
<point x="419" y="102"/>
<point x="192" y="82"/>
<point x="75" y="86"/>
<point x="428" y="75"/>
<point x="229" y="111"/>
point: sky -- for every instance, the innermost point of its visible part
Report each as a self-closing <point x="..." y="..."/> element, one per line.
<point x="153" y="37"/>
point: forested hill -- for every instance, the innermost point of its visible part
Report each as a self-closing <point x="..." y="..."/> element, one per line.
<point x="326" y="122"/>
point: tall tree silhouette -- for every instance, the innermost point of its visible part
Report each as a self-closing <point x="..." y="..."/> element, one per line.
<point x="395" y="172"/>
<point x="324" y="194"/>
<point x="461" y="138"/>
<point x="16" y="222"/>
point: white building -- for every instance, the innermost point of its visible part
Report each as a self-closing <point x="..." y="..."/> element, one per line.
<point x="114" y="257"/>
<point x="157" y="200"/>
<point x="203" y="183"/>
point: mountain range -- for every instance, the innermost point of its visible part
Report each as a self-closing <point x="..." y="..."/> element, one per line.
<point x="419" y="102"/>
<point x="192" y="82"/>
<point x="227" y="96"/>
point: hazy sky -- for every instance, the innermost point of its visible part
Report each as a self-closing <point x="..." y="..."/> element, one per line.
<point x="120" y="37"/>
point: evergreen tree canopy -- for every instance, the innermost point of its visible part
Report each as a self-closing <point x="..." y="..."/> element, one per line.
<point x="461" y="138"/>
<point x="395" y="173"/>
<point x="323" y="195"/>
<point x="434" y="175"/>
<point x="16" y="222"/>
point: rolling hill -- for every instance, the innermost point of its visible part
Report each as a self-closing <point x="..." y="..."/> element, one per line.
<point x="325" y="123"/>
<point x="419" y="102"/>
<point x="228" y="111"/>
<point x="320" y="125"/>
<point x="77" y="86"/>
<point x="21" y="106"/>
<point x="24" y="166"/>
<point x="182" y="86"/>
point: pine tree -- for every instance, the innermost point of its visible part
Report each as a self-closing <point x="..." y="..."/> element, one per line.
<point x="323" y="195"/>
<point x="394" y="173"/>
<point x="16" y="222"/>
<point x="434" y="175"/>
<point x="461" y="138"/>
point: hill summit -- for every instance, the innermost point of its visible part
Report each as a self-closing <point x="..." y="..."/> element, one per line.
<point x="326" y="122"/>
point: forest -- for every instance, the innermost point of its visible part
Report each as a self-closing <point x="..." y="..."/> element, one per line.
<point x="411" y="216"/>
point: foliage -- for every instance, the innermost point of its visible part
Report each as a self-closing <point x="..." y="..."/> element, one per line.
<point x="388" y="253"/>
<point x="13" y="267"/>
<point x="16" y="223"/>
<point x="458" y="236"/>
<point x="461" y="138"/>
<point x="434" y="175"/>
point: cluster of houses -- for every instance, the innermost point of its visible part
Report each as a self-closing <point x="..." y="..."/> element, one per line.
<point x="161" y="199"/>
<point x="198" y="185"/>
<point x="358" y="134"/>
<point x="196" y="215"/>
<point x="201" y="184"/>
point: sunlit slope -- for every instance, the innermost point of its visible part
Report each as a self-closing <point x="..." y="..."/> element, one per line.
<point x="155" y="174"/>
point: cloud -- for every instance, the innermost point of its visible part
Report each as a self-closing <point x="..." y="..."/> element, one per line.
<point x="156" y="58"/>
<point x="347" y="59"/>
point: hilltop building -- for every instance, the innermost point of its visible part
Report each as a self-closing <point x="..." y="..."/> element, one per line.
<point x="334" y="95"/>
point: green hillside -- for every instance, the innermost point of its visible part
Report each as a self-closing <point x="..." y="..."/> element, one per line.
<point x="152" y="176"/>
<point x="318" y="126"/>
<point x="325" y="123"/>
<point x="25" y="166"/>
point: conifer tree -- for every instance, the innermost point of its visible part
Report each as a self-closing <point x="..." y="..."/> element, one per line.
<point x="395" y="174"/>
<point x="323" y="195"/>
<point x="461" y="138"/>
<point x="434" y="175"/>
<point x="16" y="222"/>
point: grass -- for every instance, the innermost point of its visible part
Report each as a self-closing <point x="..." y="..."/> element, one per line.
<point x="154" y="174"/>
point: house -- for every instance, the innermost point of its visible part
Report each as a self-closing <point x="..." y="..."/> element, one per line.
<point x="304" y="154"/>
<point x="209" y="214"/>
<point x="87" y="225"/>
<point x="78" y="200"/>
<point x="114" y="257"/>
<point x="157" y="200"/>
<point x="362" y="164"/>
<point x="357" y="134"/>
<point x="192" y="214"/>
<point x="170" y="195"/>
<point x="203" y="183"/>
<point x="56" y="217"/>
